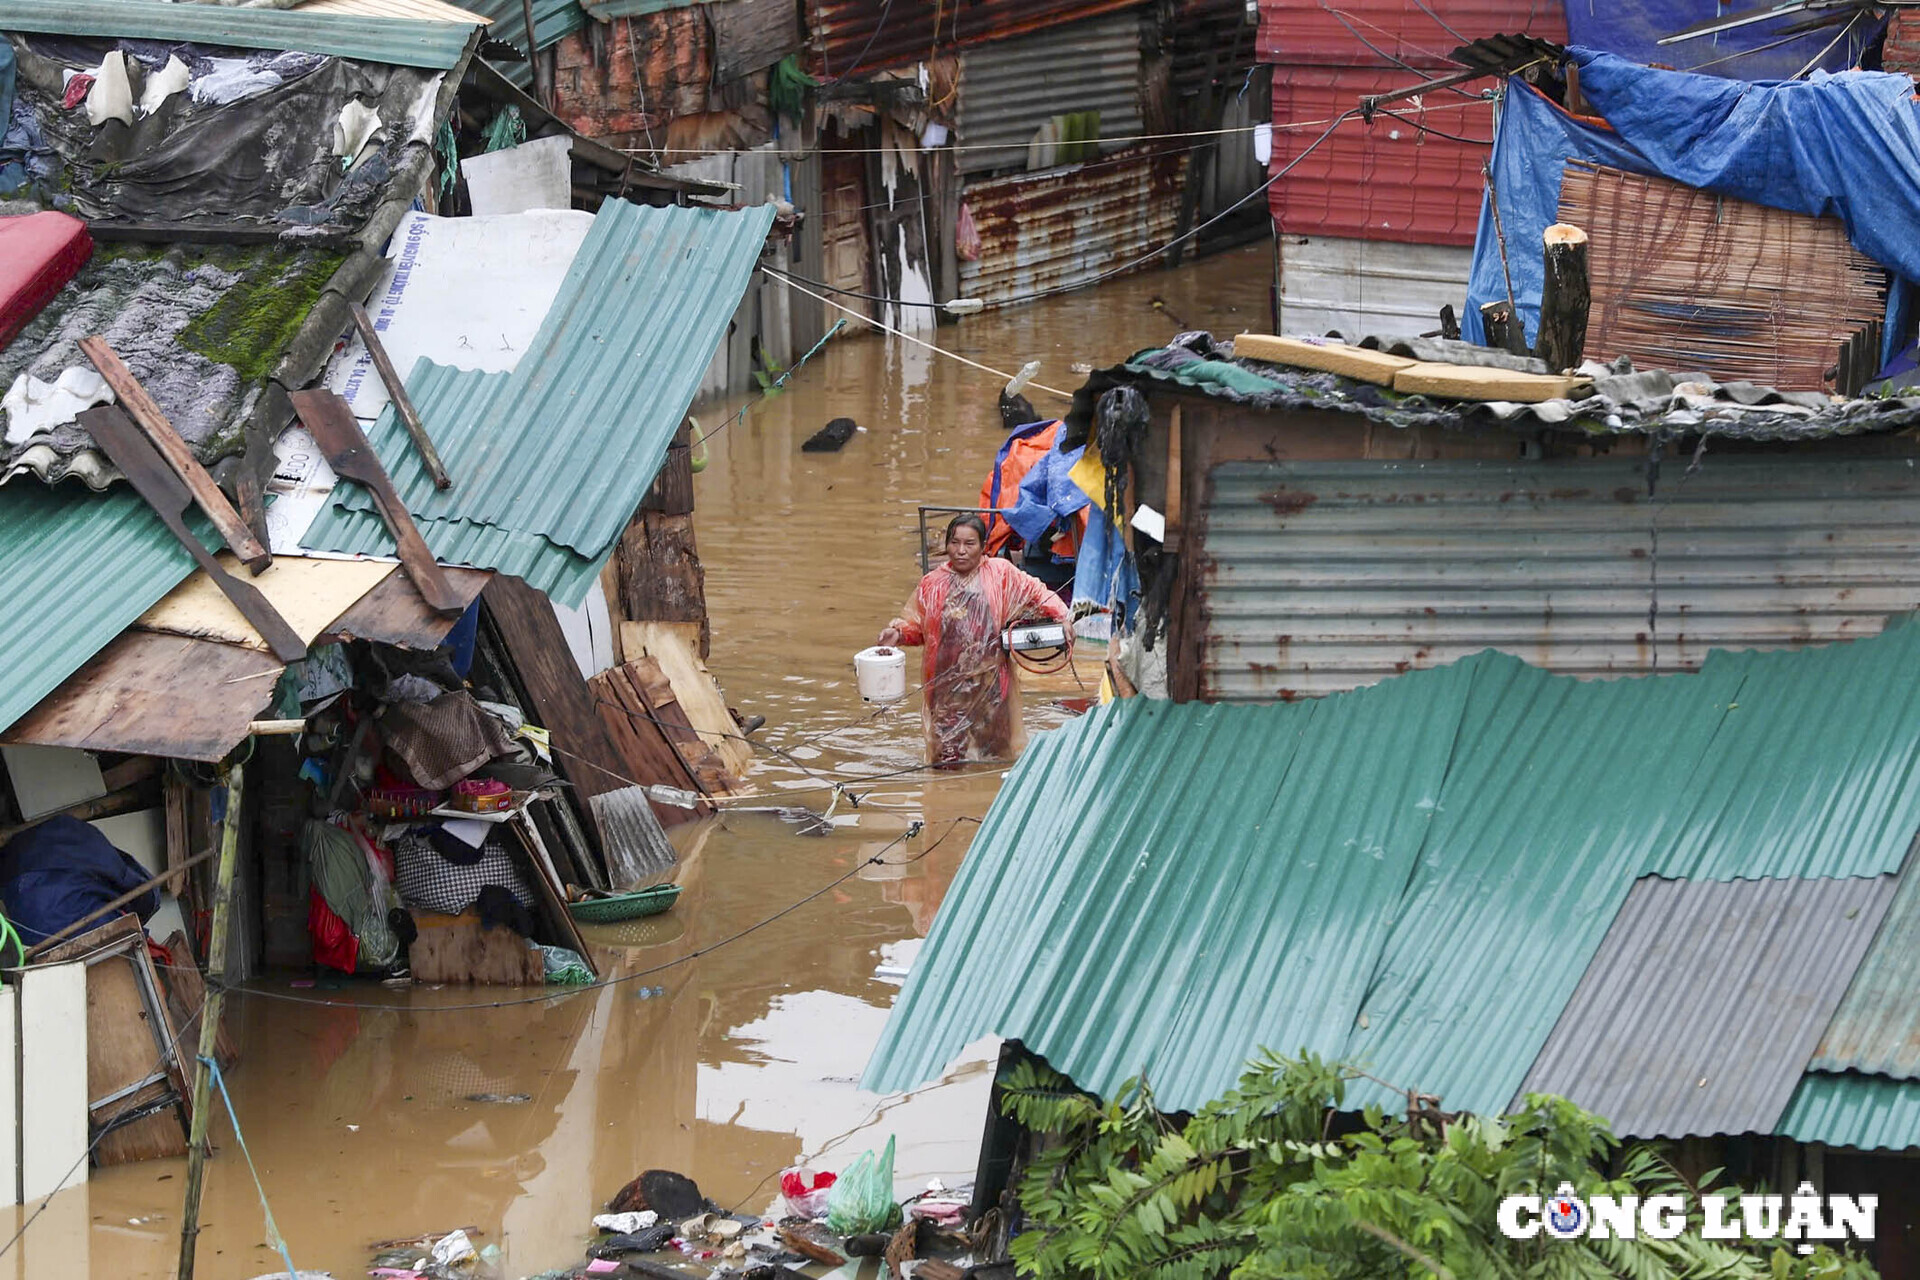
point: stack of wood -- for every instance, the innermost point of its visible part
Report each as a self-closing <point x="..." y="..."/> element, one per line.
<point x="1689" y="281"/>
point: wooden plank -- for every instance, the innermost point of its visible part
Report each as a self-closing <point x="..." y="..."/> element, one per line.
<point x="650" y="756"/>
<point x="206" y="494"/>
<point x="693" y="688"/>
<point x="53" y="1038"/>
<point x="393" y="612"/>
<point x="150" y="694"/>
<point x="562" y="703"/>
<point x="308" y="592"/>
<point x="123" y="1047"/>
<point x="1330" y="357"/>
<point x="460" y="949"/>
<point x="186" y="993"/>
<point x="1473" y="382"/>
<point x="661" y="579"/>
<point x="402" y="402"/>
<point x="327" y="418"/>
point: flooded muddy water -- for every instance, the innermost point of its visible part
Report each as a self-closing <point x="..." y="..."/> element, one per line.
<point x="374" y="1114"/>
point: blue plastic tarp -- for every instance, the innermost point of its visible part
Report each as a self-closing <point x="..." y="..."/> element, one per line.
<point x="63" y="870"/>
<point x="1844" y="146"/>
<point x="1047" y="493"/>
<point x="1633" y="28"/>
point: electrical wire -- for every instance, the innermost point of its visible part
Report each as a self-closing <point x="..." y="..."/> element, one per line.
<point x="1427" y="128"/>
<point x="860" y="57"/>
<point x="878" y="859"/>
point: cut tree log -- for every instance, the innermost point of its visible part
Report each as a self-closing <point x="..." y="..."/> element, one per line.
<point x="1564" y="298"/>
<point x="1504" y="330"/>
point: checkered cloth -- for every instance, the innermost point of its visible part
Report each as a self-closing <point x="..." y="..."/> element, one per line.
<point x="428" y="881"/>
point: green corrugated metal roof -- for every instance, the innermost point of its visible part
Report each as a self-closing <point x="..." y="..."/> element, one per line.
<point x="79" y="569"/>
<point x="1876" y="1029"/>
<point x="1165" y="887"/>
<point x="400" y="42"/>
<point x="1847" y="1109"/>
<point x="553" y="21"/>
<point x="569" y="442"/>
<point x="634" y="8"/>
<point x="455" y="402"/>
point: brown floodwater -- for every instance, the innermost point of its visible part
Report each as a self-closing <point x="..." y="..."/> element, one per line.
<point x="360" y="1108"/>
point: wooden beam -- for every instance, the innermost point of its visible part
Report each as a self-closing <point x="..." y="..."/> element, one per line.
<point x="402" y="402"/>
<point x="206" y="494"/>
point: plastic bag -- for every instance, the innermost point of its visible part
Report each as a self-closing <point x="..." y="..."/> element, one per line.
<point x="862" y="1200"/>
<point x="806" y="1192"/>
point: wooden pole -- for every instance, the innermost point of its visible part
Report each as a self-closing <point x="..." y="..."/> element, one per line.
<point x="1565" y="296"/>
<point x="210" y="1023"/>
<point x="402" y="402"/>
<point x="533" y="56"/>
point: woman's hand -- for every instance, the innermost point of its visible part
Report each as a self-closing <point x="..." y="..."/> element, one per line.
<point x="890" y="638"/>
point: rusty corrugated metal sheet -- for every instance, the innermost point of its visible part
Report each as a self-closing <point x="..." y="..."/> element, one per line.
<point x="1320" y="576"/>
<point x="1063" y="227"/>
<point x="1009" y="89"/>
<point x="1377" y="33"/>
<point x="1699" y="1011"/>
<point x="855" y="37"/>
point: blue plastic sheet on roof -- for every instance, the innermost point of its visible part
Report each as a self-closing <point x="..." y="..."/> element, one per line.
<point x="1844" y="146"/>
<point x="1633" y="28"/>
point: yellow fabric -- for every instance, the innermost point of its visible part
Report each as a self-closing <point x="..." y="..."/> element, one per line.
<point x="1089" y="475"/>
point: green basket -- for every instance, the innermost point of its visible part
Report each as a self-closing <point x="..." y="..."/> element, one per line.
<point x="625" y="906"/>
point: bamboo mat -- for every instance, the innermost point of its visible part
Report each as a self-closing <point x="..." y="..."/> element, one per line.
<point x="1689" y="281"/>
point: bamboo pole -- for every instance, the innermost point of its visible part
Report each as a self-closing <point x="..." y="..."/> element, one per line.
<point x="210" y="1023"/>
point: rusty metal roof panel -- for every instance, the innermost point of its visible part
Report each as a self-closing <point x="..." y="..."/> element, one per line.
<point x="1009" y="89"/>
<point x="79" y="568"/>
<point x="1319" y="576"/>
<point x="400" y="42"/>
<point x="855" y="37"/>
<point x="1700" y="1010"/>
<point x="1168" y="887"/>
<point x="1877" y="1026"/>
<point x="1380" y="33"/>
<point x="568" y="444"/>
<point x="1847" y="1109"/>
<point x="1061" y="228"/>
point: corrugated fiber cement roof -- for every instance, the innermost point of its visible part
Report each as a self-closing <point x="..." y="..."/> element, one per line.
<point x="550" y="461"/>
<point x="1410" y="877"/>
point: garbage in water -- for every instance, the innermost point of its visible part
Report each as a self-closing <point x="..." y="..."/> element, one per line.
<point x="830" y="438"/>
<point x="862" y="1199"/>
<point x="805" y="1191"/>
<point x="625" y="1222"/>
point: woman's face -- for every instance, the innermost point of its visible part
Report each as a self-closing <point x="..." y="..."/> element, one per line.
<point x="963" y="549"/>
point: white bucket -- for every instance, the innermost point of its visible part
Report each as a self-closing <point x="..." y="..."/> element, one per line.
<point x="882" y="674"/>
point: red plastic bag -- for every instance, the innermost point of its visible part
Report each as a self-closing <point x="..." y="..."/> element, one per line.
<point x="333" y="943"/>
<point x="806" y="1191"/>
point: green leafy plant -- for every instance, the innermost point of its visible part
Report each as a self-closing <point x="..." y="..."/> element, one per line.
<point x="1257" y="1185"/>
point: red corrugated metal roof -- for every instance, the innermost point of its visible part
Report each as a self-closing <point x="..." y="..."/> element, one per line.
<point x="1338" y="32"/>
<point x="1385" y="180"/>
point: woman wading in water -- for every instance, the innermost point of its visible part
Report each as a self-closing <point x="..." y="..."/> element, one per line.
<point x="970" y="703"/>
